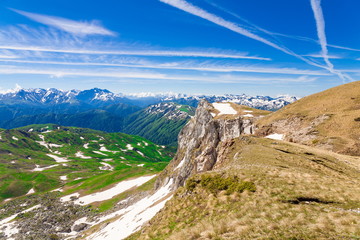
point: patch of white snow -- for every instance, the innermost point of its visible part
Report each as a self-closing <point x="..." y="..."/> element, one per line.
<point x="276" y="136"/>
<point x="112" y="192"/>
<point x="57" y="158"/>
<point x="224" y="108"/>
<point x="81" y="155"/>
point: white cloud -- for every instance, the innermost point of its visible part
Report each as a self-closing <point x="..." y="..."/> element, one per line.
<point x="80" y="28"/>
<point x="164" y="53"/>
<point x="16" y="89"/>
<point x="318" y="55"/>
<point x="116" y="74"/>
<point x="189" y="65"/>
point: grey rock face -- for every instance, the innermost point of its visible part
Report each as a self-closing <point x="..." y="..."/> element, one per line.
<point x="199" y="143"/>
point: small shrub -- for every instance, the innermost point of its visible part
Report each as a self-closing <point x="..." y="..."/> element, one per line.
<point x="357" y="119"/>
<point x="217" y="183"/>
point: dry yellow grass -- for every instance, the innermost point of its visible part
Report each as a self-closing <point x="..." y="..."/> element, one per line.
<point x="341" y="104"/>
<point x="302" y="193"/>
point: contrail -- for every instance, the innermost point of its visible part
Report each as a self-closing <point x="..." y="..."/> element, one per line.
<point x="255" y="27"/>
<point x="320" y="26"/>
<point x="189" y="8"/>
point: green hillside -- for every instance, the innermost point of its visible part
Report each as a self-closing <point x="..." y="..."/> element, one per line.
<point x="161" y="123"/>
<point x="86" y="159"/>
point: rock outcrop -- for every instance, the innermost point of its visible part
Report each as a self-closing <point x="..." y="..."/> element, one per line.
<point x="200" y="141"/>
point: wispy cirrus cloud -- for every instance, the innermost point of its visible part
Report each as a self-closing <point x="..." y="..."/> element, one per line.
<point x="144" y="52"/>
<point x="80" y="28"/>
<point x="23" y="38"/>
<point x="320" y="27"/>
<point x="116" y="74"/>
<point x="186" y="65"/>
<point x="319" y="55"/>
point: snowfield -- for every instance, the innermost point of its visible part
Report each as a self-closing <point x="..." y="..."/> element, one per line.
<point x="8" y="227"/>
<point x="224" y="108"/>
<point x="133" y="217"/>
<point x="109" y="193"/>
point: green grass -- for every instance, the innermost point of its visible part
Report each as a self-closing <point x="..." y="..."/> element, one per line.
<point x="20" y="151"/>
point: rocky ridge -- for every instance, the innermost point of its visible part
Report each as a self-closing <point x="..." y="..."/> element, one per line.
<point x="203" y="140"/>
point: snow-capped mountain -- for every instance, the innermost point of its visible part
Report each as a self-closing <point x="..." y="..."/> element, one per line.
<point x="103" y="97"/>
<point x="53" y="96"/>
<point x="171" y="111"/>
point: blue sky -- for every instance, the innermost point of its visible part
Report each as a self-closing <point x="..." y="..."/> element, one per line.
<point x="257" y="47"/>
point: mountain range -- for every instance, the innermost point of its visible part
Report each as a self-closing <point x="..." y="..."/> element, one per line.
<point x="158" y="117"/>
<point x="238" y="173"/>
<point x="101" y="97"/>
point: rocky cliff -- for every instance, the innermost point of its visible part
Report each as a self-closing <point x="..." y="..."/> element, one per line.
<point x="202" y="140"/>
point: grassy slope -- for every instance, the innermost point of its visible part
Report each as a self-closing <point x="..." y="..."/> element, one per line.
<point x="156" y="127"/>
<point x="301" y="193"/>
<point x="341" y="104"/>
<point x="19" y="157"/>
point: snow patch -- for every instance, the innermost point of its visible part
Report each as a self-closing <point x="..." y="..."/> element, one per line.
<point x="63" y="178"/>
<point x="276" y="136"/>
<point x="180" y="164"/>
<point x="31" y="191"/>
<point x="106" y="167"/>
<point x="57" y="190"/>
<point x="69" y="197"/>
<point x="81" y="155"/>
<point x="57" y="158"/>
<point x="140" y="153"/>
<point x="9" y="228"/>
<point x="39" y="169"/>
<point x="140" y="165"/>
<point x="128" y="146"/>
<point x="97" y="152"/>
<point x="134" y="216"/>
<point x="224" y="108"/>
<point x="112" y="192"/>
<point x="104" y="149"/>
<point x="86" y="145"/>
<point x="248" y="115"/>
<point x="15" y="138"/>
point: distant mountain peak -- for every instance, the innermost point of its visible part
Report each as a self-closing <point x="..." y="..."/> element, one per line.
<point x="98" y="96"/>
